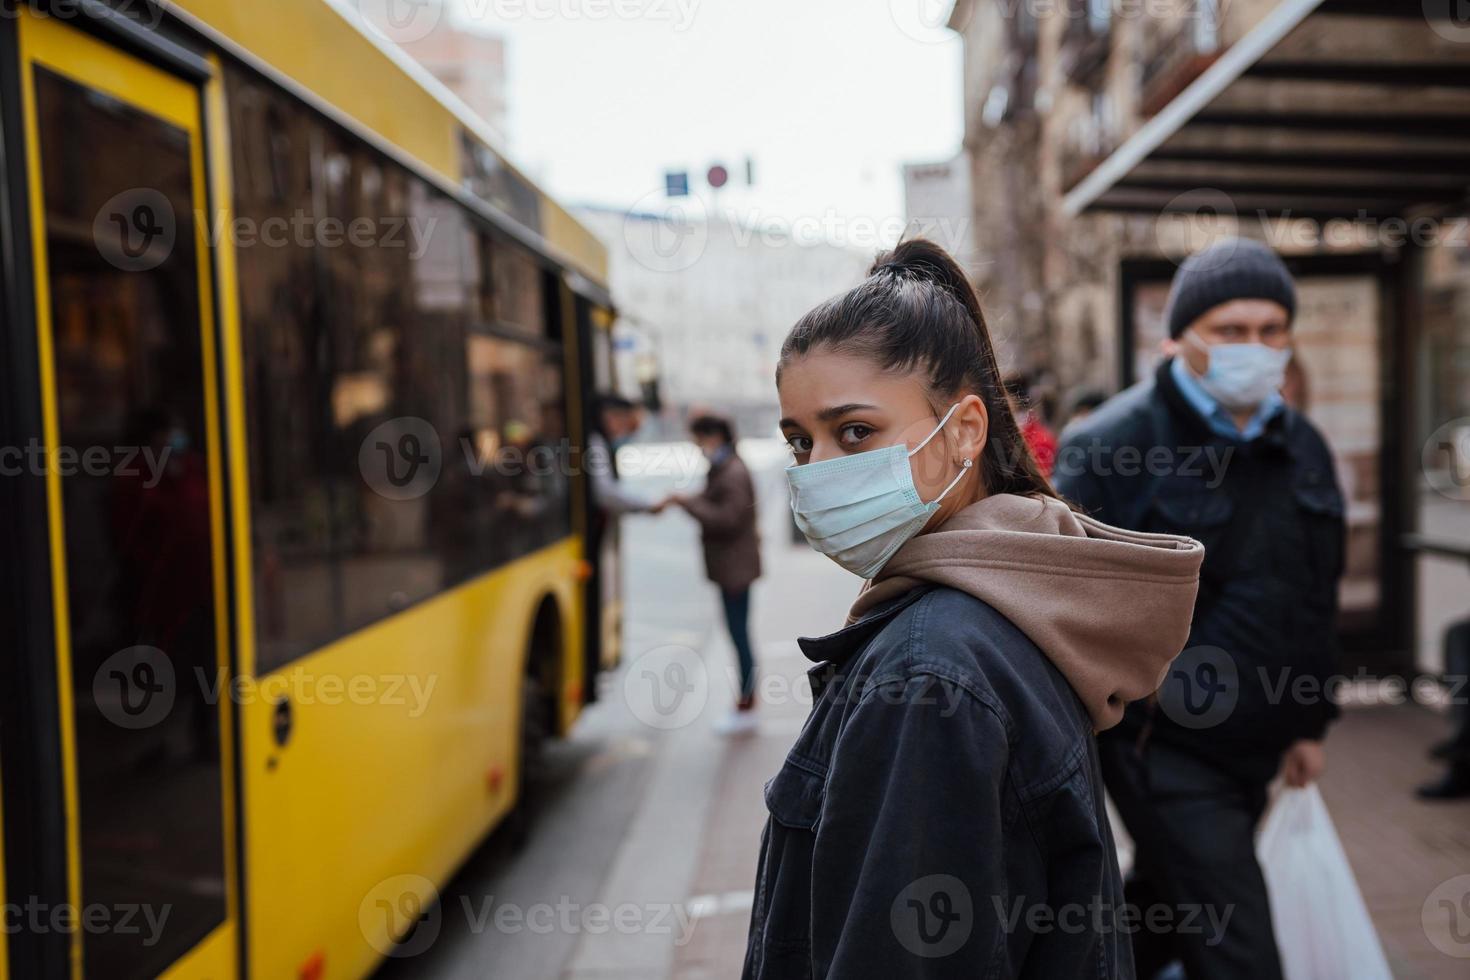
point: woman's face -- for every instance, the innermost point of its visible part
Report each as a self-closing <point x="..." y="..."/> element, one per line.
<point x="835" y="404"/>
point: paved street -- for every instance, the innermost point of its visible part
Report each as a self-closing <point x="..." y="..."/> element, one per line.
<point x="642" y="857"/>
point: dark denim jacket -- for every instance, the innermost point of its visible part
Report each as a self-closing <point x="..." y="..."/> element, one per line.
<point x="941" y="813"/>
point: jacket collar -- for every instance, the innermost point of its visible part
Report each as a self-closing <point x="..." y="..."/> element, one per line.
<point x="839" y="647"/>
<point x="1273" y="437"/>
<point x="726" y="453"/>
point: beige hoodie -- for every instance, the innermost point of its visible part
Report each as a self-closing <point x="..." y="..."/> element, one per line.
<point x="1110" y="608"/>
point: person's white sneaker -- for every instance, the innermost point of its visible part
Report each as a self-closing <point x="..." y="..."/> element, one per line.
<point x="737" y="722"/>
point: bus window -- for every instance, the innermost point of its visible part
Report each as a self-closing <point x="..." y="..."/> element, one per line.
<point x="374" y="342"/>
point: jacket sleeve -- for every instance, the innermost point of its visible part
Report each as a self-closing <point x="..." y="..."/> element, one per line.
<point x="908" y="871"/>
<point x="727" y="500"/>
<point x="608" y="492"/>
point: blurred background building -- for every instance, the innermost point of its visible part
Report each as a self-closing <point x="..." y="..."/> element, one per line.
<point x="936" y="198"/>
<point x="705" y="300"/>
<point x="1109" y="140"/>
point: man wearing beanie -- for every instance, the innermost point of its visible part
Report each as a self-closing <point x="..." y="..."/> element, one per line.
<point x="1207" y="447"/>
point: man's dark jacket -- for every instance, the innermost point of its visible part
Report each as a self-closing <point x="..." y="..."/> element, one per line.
<point x="941" y="813"/>
<point x="726" y="513"/>
<point x="1254" y="675"/>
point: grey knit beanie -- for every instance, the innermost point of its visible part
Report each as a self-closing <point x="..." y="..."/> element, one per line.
<point x="1232" y="268"/>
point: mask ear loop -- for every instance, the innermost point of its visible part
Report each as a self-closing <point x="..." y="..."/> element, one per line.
<point x="953" y="483"/>
<point x="937" y="429"/>
<point x="963" y="470"/>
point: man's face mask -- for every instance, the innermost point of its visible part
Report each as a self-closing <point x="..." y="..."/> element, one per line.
<point x="1241" y="376"/>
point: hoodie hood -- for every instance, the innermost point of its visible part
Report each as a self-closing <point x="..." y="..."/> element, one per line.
<point x="1110" y="608"/>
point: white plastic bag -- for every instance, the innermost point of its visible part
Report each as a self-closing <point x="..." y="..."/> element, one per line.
<point x="1322" y="926"/>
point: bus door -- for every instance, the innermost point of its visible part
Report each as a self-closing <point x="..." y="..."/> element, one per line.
<point x="131" y="460"/>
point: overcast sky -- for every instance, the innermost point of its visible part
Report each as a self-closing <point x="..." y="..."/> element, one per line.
<point x="829" y="97"/>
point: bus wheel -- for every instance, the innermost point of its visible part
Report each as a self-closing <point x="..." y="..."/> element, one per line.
<point x="531" y="741"/>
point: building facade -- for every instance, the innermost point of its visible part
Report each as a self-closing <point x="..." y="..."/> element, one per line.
<point x="936" y="198"/>
<point x="705" y="300"/>
<point x="1110" y="138"/>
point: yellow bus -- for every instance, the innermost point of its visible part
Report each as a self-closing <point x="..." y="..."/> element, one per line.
<point x="295" y="565"/>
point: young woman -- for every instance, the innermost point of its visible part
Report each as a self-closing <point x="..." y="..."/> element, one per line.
<point x="941" y="813"/>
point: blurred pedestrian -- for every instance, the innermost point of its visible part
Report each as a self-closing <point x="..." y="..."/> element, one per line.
<point x="726" y="513"/>
<point x="1455" y="784"/>
<point x="615" y="422"/>
<point x="1084" y="405"/>
<point x="1038" y="436"/>
<point x="618" y="420"/>
<point x="943" y="801"/>
<point x="1209" y="448"/>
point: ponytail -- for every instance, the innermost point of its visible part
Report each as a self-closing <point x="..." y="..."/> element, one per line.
<point x="917" y="310"/>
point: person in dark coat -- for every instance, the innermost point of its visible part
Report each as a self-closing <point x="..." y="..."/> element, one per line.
<point x="726" y="513"/>
<point x="1208" y="447"/>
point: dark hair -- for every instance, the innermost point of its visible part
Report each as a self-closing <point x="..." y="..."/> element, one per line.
<point x="712" y="425"/>
<point x="1088" y="401"/>
<point x="916" y="310"/>
<point x="614" y="403"/>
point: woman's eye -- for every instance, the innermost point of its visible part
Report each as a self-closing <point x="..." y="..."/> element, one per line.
<point x="851" y="435"/>
<point x="800" y="445"/>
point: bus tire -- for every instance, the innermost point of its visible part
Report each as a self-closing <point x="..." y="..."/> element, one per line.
<point x="537" y="705"/>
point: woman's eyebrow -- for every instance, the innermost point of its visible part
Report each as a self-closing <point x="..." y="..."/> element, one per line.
<point x="837" y="411"/>
<point x="827" y="414"/>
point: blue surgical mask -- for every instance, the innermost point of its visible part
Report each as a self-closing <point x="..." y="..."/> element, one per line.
<point x="859" y="510"/>
<point x="1241" y="376"/>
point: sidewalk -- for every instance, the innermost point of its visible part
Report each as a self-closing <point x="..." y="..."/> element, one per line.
<point x="1401" y="849"/>
<point x="726" y="868"/>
